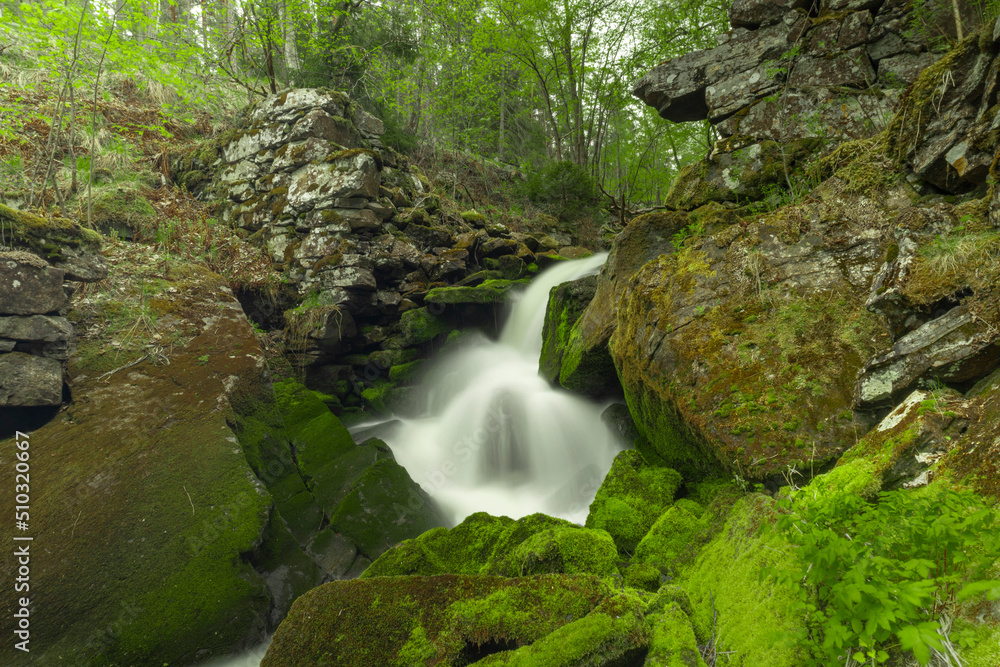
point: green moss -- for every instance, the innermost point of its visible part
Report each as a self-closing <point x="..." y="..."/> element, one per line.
<point x="565" y="549"/>
<point x="746" y="613"/>
<point x="44" y="236"/>
<point x="631" y="498"/>
<point x="316" y="433"/>
<point x="643" y="577"/>
<point x="406" y="373"/>
<point x="672" y="539"/>
<point x="484" y="544"/>
<point x="371" y="621"/>
<point x="473" y="217"/>
<point x="614" y="633"/>
<point x="673" y="643"/>
<point x="420" y="326"/>
<point x="384" y="507"/>
<point x="490" y="291"/>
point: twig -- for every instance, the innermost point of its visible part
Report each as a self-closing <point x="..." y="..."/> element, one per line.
<point x="189" y="498"/>
<point x="128" y="365"/>
<point x="76" y="522"/>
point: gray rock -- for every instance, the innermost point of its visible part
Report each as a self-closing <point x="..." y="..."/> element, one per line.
<point x="293" y="155"/>
<point x="851" y="68"/>
<point x="319" y="124"/>
<point x="316" y="185"/>
<point x="36" y="328"/>
<point x="854" y="30"/>
<point x="29" y="286"/>
<point x="755" y="13"/>
<point x="676" y="87"/>
<point x="903" y="69"/>
<point x="29" y="381"/>
<point x="953" y="348"/>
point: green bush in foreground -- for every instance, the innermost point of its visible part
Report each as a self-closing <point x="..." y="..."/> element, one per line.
<point x="872" y="575"/>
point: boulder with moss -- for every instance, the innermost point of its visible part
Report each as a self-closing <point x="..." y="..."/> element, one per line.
<point x="632" y="497"/>
<point x="485" y="544"/>
<point x="586" y="364"/>
<point x="159" y="517"/>
<point x="460" y="620"/>
<point x="566" y="303"/>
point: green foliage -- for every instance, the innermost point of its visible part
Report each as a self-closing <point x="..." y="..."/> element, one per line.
<point x="869" y="574"/>
<point x="564" y="188"/>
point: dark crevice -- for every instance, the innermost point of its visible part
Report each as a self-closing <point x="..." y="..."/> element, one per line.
<point x="472" y="652"/>
<point x="26" y="420"/>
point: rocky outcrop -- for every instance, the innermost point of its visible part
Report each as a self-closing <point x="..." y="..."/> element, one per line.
<point x="357" y="232"/>
<point x="791" y="70"/>
<point x="35" y="288"/>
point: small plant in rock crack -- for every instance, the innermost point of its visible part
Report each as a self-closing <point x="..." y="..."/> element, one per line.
<point x="888" y="576"/>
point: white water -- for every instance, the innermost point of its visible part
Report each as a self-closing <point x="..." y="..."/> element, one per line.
<point x="497" y="437"/>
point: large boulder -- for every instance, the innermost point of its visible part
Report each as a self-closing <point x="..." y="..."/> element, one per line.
<point x="782" y="300"/>
<point x="150" y="514"/>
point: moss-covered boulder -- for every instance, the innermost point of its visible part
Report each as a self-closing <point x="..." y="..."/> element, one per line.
<point x="740" y="350"/>
<point x="672" y="642"/>
<point x="673" y="536"/>
<point x="744" y="173"/>
<point x="744" y="611"/>
<point x="615" y="633"/>
<point x="459" y="620"/>
<point x="566" y="303"/>
<point x="65" y="244"/>
<point x="634" y="494"/>
<point x="485" y="544"/>
<point x="152" y="520"/>
<point x="586" y="365"/>
<point x="420" y="325"/>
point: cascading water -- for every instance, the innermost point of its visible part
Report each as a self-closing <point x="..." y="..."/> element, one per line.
<point x="497" y="437"/>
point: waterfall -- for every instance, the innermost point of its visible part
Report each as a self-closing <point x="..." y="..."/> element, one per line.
<point x="497" y="437"/>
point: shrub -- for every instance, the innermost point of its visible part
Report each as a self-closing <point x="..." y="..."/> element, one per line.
<point x="873" y="573"/>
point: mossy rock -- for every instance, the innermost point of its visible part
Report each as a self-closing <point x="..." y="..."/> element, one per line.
<point x="586" y="362"/>
<point x="672" y="537"/>
<point x="489" y="291"/>
<point x="124" y="211"/>
<point x="566" y="303"/>
<point x="673" y="642"/>
<point x="615" y="633"/>
<point x="159" y="514"/>
<point x="48" y="237"/>
<point x="421" y="326"/>
<point x="632" y="497"/>
<point x="485" y="544"/>
<point x="383" y="507"/>
<point x="314" y="431"/>
<point x="746" y="613"/>
<point x="443" y="620"/>
<point x="562" y="550"/>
